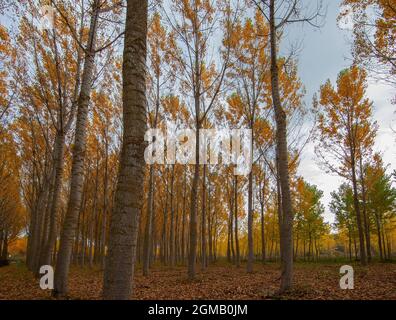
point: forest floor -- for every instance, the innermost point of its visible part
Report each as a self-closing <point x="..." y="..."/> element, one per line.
<point x="221" y="281"/>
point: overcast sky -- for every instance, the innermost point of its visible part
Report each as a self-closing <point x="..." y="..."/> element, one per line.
<point x="324" y="54"/>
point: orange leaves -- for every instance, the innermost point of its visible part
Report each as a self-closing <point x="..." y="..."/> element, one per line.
<point x="345" y="128"/>
<point x="236" y="108"/>
<point x="158" y="43"/>
<point x="375" y="35"/>
<point x="175" y="108"/>
<point x="11" y="209"/>
<point x="312" y="282"/>
<point x="6" y="56"/>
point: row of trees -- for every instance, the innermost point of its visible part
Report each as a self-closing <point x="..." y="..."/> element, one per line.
<point x="379" y="203"/>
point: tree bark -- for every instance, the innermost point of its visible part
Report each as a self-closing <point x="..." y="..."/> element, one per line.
<point x="46" y="254"/>
<point x="378" y="223"/>
<point x="286" y="229"/>
<point x="362" y="249"/>
<point x="172" y="221"/>
<point x="365" y="212"/>
<point x="262" y="233"/>
<point x="238" y="256"/>
<point x="148" y="227"/>
<point x="203" y="221"/>
<point x="250" y="222"/>
<point x="124" y="224"/>
<point x="77" y="171"/>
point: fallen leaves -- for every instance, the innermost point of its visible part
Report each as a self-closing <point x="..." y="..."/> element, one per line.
<point x="311" y="281"/>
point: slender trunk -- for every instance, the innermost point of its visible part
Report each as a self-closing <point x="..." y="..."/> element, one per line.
<point x="4" y="251"/>
<point x="94" y="214"/>
<point x="233" y="255"/>
<point x="238" y="258"/>
<point x="164" y="229"/>
<point x="193" y="210"/>
<point x="194" y="190"/>
<point x="229" y="240"/>
<point x="378" y="223"/>
<point x="184" y="215"/>
<point x="350" y="246"/>
<point x="250" y="223"/>
<point x="210" y="223"/>
<point x="58" y="164"/>
<point x="286" y="236"/>
<point x="203" y="221"/>
<point x="262" y="233"/>
<point x="1" y="242"/>
<point x="77" y="171"/>
<point x="172" y="221"/>
<point x="45" y="223"/>
<point x="362" y="249"/>
<point x="148" y="237"/>
<point x="365" y="212"/>
<point x="148" y="227"/>
<point x="105" y="205"/>
<point x="153" y="240"/>
<point x="37" y="227"/>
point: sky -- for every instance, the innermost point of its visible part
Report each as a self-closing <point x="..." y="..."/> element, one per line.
<point x="324" y="53"/>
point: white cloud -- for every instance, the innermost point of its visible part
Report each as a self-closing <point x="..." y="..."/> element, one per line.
<point x="384" y="114"/>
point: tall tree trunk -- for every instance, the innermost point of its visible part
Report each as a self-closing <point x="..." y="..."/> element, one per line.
<point x="45" y="223"/>
<point x="148" y="227"/>
<point x="124" y="224"/>
<point x="164" y="228"/>
<point x="262" y="233"/>
<point x="184" y="215"/>
<point x="362" y="249"/>
<point x="250" y="222"/>
<point x="77" y="171"/>
<point x="286" y="229"/>
<point x="148" y="236"/>
<point x="210" y="227"/>
<point x="105" y="205"/>
<point x="172" y="221"/>
<point x="365" y="213"/>
<point x="350" y="245"/>
<point x="94" y="215"/>
<point x="46" y="254"/>
<point x="194" y="208"/>
<point x="37" y="227"/>
<point x="238" y="256"/>
<point x="378" y="224"/>
<point x="192" y="257"/>
<point x="4" y="250"/>
<point x="229" y="231"/>
<point x="203" y="221"/>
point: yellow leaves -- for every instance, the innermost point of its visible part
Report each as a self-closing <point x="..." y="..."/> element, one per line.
<point x="10" y="203"/>
<point x="375" y="34"/>
<point x="263" y="132"/>
<point x="4" y="42"/>
<point x="177" y="110"/>
<point x="344" y="125"/>
<point x="6" y="56"/>
<point x="162" y="45"/>
<point x="194" y="10"/>
<point x="236" y="108"/>
<point x="208" y="74"/>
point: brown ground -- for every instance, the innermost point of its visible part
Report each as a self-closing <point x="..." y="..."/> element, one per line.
<point x="312" y="281"/>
